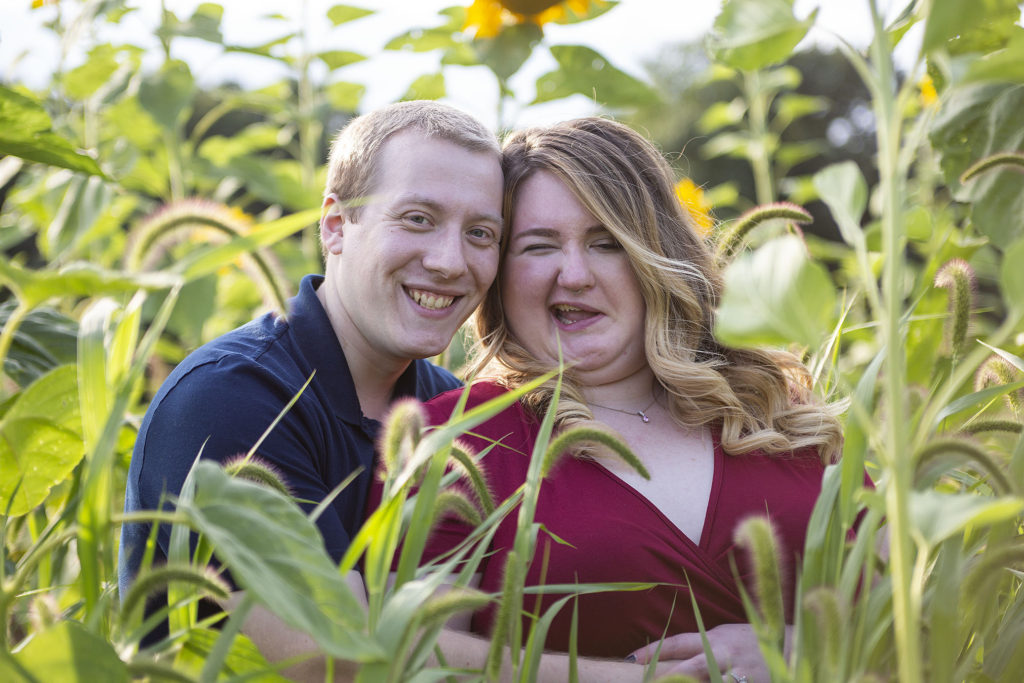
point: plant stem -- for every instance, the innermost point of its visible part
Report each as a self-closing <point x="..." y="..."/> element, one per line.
<point x="760" y="162"/>
<point x="896" y="456"/>
<point x="18" y="315"/>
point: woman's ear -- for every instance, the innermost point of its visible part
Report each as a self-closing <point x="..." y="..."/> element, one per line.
<point x="332" y="224"/>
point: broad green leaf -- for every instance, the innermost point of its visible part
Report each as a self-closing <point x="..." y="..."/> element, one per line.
<point x="731" y="143"/>
<point x="445" y="36"/>
<point x="203" y="24"/>
<point x="584" y="71"/>
<point x="168" y="93"/>
<point x="44" y="340"/>
<point x="426" y="87"/>
<point x="335" y="59"/>
<point x="792" y="106"/>
<point x="264" y="49"/>
<point x="76" y="279"/>
<point x="35" y="455"/>
<point x="83" y="204"/>
<point x="344" y="95"/>
<point x="1006" y="64"/>
<point x="776" y="295"/>
<point x="721" y="115"/>
<point x="977" y="398"/>
<point x="505" y="53"/>
<point x="82" y="81"/>
<point x="843" y="189"/>
<point x="1011" y="275"/>
<point x="67" y="652"/>
<point x="243" y="660"/>
<point x="340" y="14"/>
<point x="976" y="121"/>
<point x="937" y="516"/>
<point x="754" y="34"/>
<point x="221" y="150"/>
<point x="277" y="554"/>
<point x="26" y="132"/>
<point x="979" y="25"/>
<point x="275" y="181"/>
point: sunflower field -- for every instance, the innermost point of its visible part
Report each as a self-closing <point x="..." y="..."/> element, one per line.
<point x="138" y="211"/>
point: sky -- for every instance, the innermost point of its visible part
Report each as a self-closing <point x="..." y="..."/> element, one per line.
<point x="627" y="35"/>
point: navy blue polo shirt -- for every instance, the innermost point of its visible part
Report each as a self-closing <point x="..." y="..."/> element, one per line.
<point x="226" y="394"/>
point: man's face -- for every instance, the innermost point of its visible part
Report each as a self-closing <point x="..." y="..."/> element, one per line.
<point x="404" y="274"/>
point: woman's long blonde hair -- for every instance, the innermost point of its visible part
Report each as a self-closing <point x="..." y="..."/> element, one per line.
<point x="760" y="399"/>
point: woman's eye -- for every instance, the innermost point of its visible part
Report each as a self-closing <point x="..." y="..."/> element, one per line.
<point x="537" y="247"/>
<point x="608" y="245"/>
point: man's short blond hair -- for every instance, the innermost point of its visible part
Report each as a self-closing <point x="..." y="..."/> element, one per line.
<point x="355" y="153"/>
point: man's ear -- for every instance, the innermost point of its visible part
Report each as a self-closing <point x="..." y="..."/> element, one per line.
<point x="332" y="224"/>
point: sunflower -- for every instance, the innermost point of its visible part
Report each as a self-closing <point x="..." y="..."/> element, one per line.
<point x="488" y="17"/>
<point x="928" y="94"/>
<point x="693" y="200"/>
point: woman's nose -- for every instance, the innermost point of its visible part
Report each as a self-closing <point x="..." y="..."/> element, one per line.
<point x="576" y="272"/>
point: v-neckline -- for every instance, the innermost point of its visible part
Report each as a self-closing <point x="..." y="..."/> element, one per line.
<point x="709" y="512"/>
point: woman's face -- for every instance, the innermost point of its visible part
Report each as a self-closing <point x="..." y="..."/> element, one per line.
<point x="564" y="277"/>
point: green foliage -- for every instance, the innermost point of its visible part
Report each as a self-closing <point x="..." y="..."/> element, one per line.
<point x="106" y="288"/>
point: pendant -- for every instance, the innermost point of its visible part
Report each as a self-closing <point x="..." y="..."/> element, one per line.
<point x="643" y="416"/>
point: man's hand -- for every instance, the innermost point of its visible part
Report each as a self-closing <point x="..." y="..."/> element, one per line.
<point x="734" y="647"/>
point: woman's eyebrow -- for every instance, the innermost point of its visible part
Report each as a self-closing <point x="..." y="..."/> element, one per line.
<point x="547" y="233"/>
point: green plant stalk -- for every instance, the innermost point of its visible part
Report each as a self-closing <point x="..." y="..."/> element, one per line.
<point x="760" y="163"/>
<point x="896" y="453"/>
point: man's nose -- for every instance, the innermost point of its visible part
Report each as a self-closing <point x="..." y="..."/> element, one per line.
<point x="444" y="253"/>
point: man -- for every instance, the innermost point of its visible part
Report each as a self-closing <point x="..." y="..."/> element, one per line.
<point x="410" y="229"/>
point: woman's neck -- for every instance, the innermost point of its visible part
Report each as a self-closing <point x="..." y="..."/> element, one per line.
<point x="631" y="392"/>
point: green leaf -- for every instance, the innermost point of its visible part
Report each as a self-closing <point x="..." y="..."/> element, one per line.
<point x="426" y="87"/>
<point x="26" y="132"/>
<point x="584" y="71"/>
<point x="68" y="653"/>
<point x="936" y="516"/>
<point x="243" y="660"/>
<point x="776" y="295"/>
<point x="277" y="554"/>
<point x="344" y="95"/>
<point x="76" y="279"/>
<point x="792" y="106"/>
<point x="335" y="59"/>
<point x="83" y="203"/>
<point x="203" y="24"/>
<point x="340" y="14"/>
<point x="722" y="115"/>
<point x="1011" y="275"/>
<point x="275" y="182"/>
<point x="978" y="120"/>
<point x="99" y="66"/>
<point x="221" y="150"/>
<point x="505" y="53"/>
<point x="754" y="34"/>
<point x="979" y="25"/>
<point x="44" y="340"/>
<point x="843" y="189"/>
<point x="36" y="454"/>
<point x="166" y="94"/>
<point x="445" y="36"/>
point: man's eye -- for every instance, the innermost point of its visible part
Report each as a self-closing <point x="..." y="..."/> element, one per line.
<point x="481" y="234"/>
<point x="417" y="219"/>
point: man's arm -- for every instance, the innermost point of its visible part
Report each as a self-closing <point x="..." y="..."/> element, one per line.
<point x="279" y="642"/>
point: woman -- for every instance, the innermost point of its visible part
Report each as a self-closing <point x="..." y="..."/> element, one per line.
<point x="602" y="261"/>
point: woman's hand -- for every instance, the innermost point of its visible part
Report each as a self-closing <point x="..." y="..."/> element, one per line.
<point x="734" y="646"/>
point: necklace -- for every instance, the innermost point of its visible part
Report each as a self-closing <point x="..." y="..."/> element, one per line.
<point x="642" y="414"/>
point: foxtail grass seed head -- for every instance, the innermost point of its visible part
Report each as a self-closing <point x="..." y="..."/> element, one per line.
<point x="454" y="601"/>
<point x="732" y="235"/>
<point x="1005" y="160"/>
<point x="508" y="609"/>
<point x="962" y="449"/>
<point x="757" y="536"/>
<point x="957" y="277"/>
<point x="203" y="580"/>
<point x="980" y="426"/>
<point x="258" y="471"/>
<point x="149" y="239"/>
<point x="43" y="612"/>
<point x="462" y="460"/>
<point x="826" y="607"/>
<point x="574" y="437"/>
<point x="457" y="503"/>
<point x="402" y="431"/>
<point x="996" y="371"/>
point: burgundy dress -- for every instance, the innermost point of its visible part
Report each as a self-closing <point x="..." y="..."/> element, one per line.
<point x="616" y="535"/>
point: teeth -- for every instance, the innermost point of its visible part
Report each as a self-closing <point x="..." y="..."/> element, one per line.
<point x="431" y="301"/>
<point x="566" y="307"/>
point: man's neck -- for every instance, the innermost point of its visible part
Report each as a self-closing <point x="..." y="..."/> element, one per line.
<point x="373" y="374"/>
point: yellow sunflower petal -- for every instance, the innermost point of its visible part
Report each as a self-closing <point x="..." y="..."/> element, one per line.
<point x="928" y="94"/>
<point x="486" y="16"/>
<point x="693" y="200"/>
